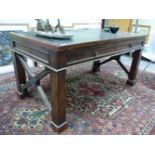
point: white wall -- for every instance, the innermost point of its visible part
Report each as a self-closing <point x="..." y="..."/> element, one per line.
<point x="93" y="23"/>
<point x="150" y="22"/>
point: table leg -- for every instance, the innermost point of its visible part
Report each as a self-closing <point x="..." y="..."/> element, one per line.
<point x="134" y="68"/>
<point x="96" y="66"/>
<point x="58" y="98"/>
<point x="20" y="76"/>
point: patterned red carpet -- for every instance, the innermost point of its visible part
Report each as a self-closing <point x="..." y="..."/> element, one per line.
<point x="99" y="103"/>
<point x="152" y="131"/>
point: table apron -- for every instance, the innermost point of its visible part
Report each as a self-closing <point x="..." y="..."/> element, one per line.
<point x="74" y="56"/>
<point x="79" y="56"/>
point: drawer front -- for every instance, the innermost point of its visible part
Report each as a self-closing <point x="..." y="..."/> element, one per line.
<point x="78" y="54"/>
<point x="35" y="54"/>
<point x="118" y="49"/>
<point x="99" y="51"/>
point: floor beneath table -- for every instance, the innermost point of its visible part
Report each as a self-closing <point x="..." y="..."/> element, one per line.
<point x="99" y="103"/>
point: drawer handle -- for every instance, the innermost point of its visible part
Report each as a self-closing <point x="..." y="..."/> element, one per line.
<point x="96" y="53"/>
<point x="130" y="46"/>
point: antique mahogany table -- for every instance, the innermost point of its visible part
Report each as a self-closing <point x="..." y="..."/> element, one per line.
<point x="58" y="55"/>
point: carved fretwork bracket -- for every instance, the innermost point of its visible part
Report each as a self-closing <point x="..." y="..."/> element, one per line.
<point x="117" y="58"/>
<point x="34" y="80"/>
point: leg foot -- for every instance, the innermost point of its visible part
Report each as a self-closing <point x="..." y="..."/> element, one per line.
<point x="22" y="95"/>
<point x="60" y="128"/>
<point x="130" y="83"/>
<point x="96" y="66"/>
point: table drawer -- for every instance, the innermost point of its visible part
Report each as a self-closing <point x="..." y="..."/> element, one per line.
<point x="79" y="54"/>
<point x="41" y="56"/>
<point x="117" y="49"/>
<point x="85" y="54"/>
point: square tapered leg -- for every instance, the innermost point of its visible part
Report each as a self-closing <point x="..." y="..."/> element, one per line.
<point x="20" y="76"/>
<point x="134" y="68"/>
<point x="58" y="97"/>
